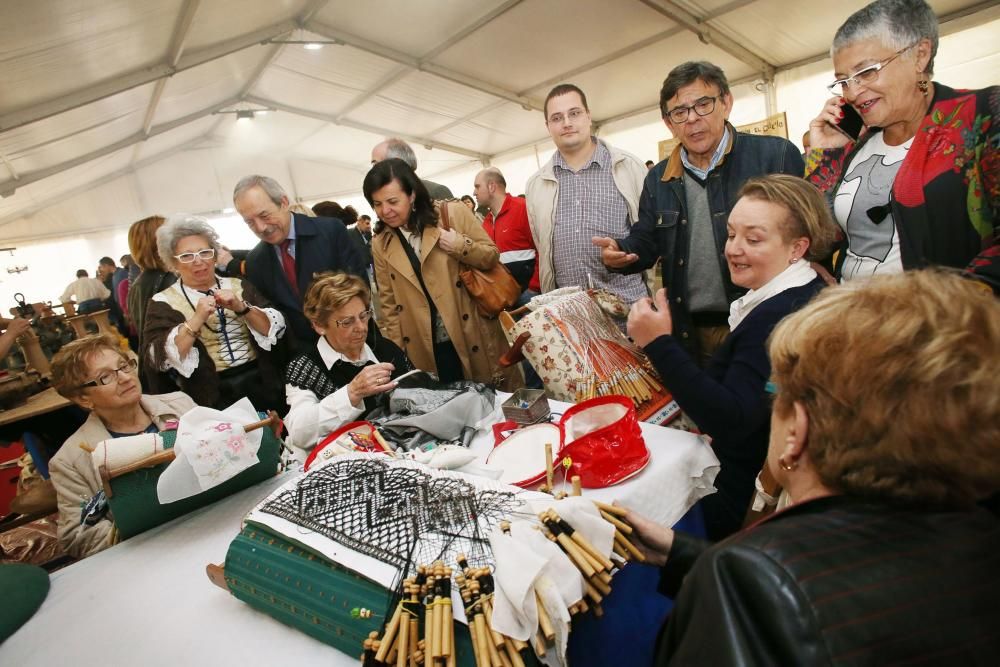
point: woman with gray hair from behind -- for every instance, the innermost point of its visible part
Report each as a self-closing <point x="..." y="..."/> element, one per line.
<point x="919" y="183"/>
<point x="209" y="334"/>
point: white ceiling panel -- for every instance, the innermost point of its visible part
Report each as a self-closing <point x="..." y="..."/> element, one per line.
<point x="190" y="171"/>
<point x="437" y="95"/>
<point x="634" y="82"/>
<point x="496" y="130"/>
<point x="47" y="133"/>
<point x="384" y="112"/>
<point x="338" y="65"/>
<point x="315" y="180"/>
<point x="303" y="91"/>
<point x="272" y="133"/>
<point x="413" y="28"/>
<point x="162" y="143"/>
<point x="52" y="47"/>
<point x="208" y="84"/>
<point x="539" y="39"/>
<point x="343" y="144"/>
<point x="219" y="20"/>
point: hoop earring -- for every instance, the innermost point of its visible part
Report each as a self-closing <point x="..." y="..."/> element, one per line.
<point x="923" y="86"/>
<point x="787" y="466"/>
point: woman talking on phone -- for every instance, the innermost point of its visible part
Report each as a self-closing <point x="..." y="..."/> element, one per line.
<point x="920" y="184"/>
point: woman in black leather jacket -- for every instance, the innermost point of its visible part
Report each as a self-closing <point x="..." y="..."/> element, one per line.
<point x="884" y="434"/>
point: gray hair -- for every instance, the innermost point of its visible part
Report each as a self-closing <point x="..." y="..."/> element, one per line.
<point x="178" y="227"/>
<point x="896" y="23"/>
<point x="686" y="74"/>
<point x="270" y="186"/>
<point x="397" y="148"/>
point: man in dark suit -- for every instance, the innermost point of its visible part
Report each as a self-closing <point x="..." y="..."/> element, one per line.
<point x="294" y="248"/>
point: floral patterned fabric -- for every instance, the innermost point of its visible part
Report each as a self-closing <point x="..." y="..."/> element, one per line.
<point x="946" y="195"/>
<point x="579" y="353"/>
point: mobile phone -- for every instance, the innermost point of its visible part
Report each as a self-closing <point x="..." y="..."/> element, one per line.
<point x="851" y="124"/>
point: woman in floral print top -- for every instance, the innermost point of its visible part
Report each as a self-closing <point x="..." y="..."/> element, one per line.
<point x="922" y="184"/>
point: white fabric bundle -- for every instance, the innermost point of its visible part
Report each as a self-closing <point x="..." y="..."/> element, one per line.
<point x="119" y="452"/>
<point x="211" y="448"/>
<point x="528" y="563"/>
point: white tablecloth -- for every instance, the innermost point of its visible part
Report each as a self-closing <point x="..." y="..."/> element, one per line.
<point x="148" y="600"/>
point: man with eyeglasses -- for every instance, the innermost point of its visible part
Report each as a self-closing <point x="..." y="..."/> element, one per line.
<point x="588" y="188"/>
<point x="95" y="374"/>
<point x="294" y="249"/>
<point x="686" y="200"/>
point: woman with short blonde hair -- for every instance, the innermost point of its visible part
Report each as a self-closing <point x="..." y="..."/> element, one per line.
<point x="778" y="224"/>
<point x="96" y="374"/>
<point x="884" y="433"/>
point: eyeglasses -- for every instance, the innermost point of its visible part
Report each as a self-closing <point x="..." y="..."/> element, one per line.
<point x="865" y="76"/>
<point x="348" y="322"/>
<point x="188" y="257"/>
<point x="702" y="107"/>
<point x="111" y="377"/>
<point x="573" y="115"/>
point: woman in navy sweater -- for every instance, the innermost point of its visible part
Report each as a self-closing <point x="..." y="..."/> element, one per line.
<point x="779" y="223"/>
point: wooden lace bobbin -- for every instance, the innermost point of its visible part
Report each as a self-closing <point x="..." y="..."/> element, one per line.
<point x="388" y="639"/>
<point x="632" y="550"/>
<point x="447" y="621"/>
<point x="407" y="644"/>
<point x="549" y="471"/>
<point x="512" y="653"/>
<point x="617" y="523"/>
<point x="570" y="548"/>
<point x="544" y="622"/>
<point x="577" y="486"/>
<point x="600" y="562"/>
<point x="427" y="592"/>
<point x="482" y="636"/>
<point x="466" y="596"/>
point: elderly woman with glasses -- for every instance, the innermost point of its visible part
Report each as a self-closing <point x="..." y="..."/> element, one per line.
<point x="351" y="365"/>
<point x="884" y="434"/>
<point x="921" y="184"/>
<point x="97" y="375"/>
<point x="208" y="334"/>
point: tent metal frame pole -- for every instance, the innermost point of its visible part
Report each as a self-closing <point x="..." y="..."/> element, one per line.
<point x="124" y="82"/>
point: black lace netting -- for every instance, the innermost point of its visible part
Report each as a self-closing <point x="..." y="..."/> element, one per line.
<point x="396" y="514"/>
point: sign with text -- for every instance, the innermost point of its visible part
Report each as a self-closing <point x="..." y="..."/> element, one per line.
<point x="775" y="126"/>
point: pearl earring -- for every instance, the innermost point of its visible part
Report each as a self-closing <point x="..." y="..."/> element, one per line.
<point x="793" y="260"/>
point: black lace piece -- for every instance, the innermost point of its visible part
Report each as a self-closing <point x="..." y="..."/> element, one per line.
<point x="395" y="514"/>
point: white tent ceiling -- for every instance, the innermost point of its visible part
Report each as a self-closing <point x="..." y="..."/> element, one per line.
<point x="118" y="99"/>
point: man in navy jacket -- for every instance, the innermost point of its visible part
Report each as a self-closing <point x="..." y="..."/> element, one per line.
<point x="686" y="200"/>
<point x="293" y="250"/>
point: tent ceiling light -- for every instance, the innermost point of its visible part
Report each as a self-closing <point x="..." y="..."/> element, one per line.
<point x="246" y="114"/>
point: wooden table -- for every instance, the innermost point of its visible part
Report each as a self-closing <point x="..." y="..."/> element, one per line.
<point x="39" y="404"/>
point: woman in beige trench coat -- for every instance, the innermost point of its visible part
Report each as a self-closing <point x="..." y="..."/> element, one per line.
<point x="415" y="259"/>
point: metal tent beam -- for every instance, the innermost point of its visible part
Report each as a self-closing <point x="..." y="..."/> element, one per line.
<point x="8" y="187"/>
<point x="124" y="82"/>
<point x="382" y="51"/>
<point x="364" y="127"/>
